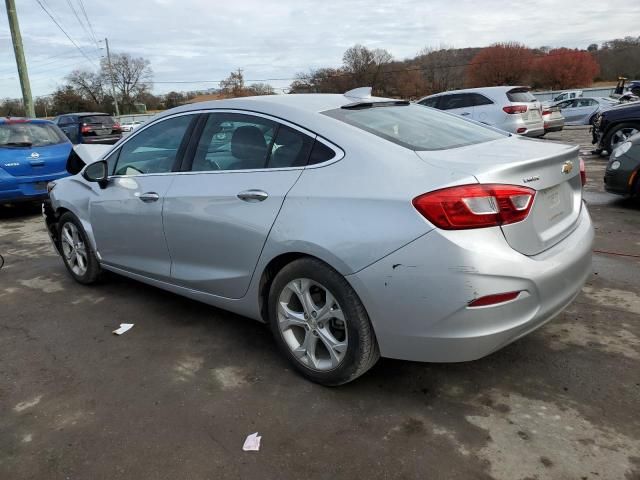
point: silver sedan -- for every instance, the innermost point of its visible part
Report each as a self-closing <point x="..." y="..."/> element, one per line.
<point x="356" y="226"/>
<point x="582" y="110"/>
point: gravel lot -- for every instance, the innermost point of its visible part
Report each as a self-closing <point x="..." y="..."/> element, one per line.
<point x="175" y="397"/>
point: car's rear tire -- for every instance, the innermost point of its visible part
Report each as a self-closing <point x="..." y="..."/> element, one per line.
<point x="618" y="134"/>
<point x="76" y="251"/>
<point x="320" y="324"/>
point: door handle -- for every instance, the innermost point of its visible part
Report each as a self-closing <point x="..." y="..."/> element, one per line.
<point x="148" y="197"/>
<point x="464" y="114"/>
<point x="253" y="195"/>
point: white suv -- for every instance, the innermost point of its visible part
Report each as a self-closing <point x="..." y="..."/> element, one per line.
<point x="513" y="109"/>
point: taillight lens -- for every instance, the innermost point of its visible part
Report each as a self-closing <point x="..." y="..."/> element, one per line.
<point x="583" y="173"/>
<point x="546" y="112"/>
<point x="511" y="109"/>
<point x="85" y="128"/>
<point x="475" y="206"/>
<point x="116" y="126"/>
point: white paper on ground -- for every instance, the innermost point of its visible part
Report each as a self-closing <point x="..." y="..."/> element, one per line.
<point x="252" y="443"/>
<point x="123" y="328"/>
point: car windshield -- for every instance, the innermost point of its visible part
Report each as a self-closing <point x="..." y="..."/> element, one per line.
<point x="29" y="135"/>
<point x="416" y="127"/>
<point x="524" y="96"/>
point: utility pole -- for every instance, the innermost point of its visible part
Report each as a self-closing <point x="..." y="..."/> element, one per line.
<point x="20" y="61"/>
<point x="113" y="88"/>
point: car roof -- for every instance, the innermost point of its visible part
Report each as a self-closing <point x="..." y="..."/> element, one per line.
<point x="498" y="89"/>
<point x="83" y="114"/>
<point x="24" y="120"/>
<point x="293" y="107"/>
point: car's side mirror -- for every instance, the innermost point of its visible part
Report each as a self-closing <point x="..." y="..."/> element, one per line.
<point x="97" y="172"/>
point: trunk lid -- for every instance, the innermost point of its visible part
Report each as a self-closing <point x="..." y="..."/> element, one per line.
<point x="32" y="161"/>
<point x="552" y="169"/>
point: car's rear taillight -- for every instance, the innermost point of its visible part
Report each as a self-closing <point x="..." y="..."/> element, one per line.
<point x="116" y="127"/>
<point x="583" y="172"/>
<point x="85" y="128"/>
<point x="546" y="112"/>
<point x="511" y="109"/>
<point x="475" y="206"/>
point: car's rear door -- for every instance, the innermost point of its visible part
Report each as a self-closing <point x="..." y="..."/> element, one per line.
<point x="218" y="214"/>
<point x="126" y="216"/>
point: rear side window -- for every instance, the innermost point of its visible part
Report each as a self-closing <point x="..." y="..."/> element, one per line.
<point x="416" y="128"/>
<point x="320" y="153"/>
<point x="30" y="135"/>
<point x="520" y="95"/>
<point x="479" y="99"/>
<point x="291" y="148"/>
<point x="102" y="119"/>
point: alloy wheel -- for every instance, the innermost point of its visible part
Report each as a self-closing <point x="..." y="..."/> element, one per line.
<point x="312" y="324"/>
<point x="622" y="136"/>
<point x="74" y="249"/>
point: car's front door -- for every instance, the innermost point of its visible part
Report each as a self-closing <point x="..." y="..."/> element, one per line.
<point x="126" y="216"/>
<point x="217" y="216"/>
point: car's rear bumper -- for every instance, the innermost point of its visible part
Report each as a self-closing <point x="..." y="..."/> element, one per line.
<point x="554" y="125"/>
<point x="536" y="131"/>
<point x="105" y="140"/>
<point x="24" y="189"/>
<point x="417" y="297"/>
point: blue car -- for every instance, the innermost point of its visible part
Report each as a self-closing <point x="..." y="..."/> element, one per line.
<point x="32" y="153"/>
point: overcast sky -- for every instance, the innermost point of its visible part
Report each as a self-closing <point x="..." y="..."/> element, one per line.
<point x="194" y="40"/>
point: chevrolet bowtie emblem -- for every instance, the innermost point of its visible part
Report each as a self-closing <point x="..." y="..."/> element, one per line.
<point x="567" y="167"/>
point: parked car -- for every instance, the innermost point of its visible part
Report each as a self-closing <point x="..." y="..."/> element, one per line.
<point x="623" y="170"/>
<point x="89" y="127"/>
<point x="461" y="240"/>
<point x="568" y="95"/>
<point x="130" y="125"/>
<point x="583" y="110"/>
<point x="553" y="119"/>
<point x="615" y="126"/>
<point x="32" y="153"/>
<point x="513" y="109"/>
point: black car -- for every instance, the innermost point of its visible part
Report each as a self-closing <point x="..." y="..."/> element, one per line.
<point x="623" y="169"/>
<point x="613" y="127"/>
<point x="89" y="127"/>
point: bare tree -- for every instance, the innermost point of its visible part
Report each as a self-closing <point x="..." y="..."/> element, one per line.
<point x="364" y="65"/>
<point x="131" y="77"/>
<point x="88" y="84"/>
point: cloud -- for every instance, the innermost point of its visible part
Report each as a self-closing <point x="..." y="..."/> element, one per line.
<point x="200" y="39"/>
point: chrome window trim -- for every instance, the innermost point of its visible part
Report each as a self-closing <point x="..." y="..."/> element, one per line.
<point x="339" y="152"/>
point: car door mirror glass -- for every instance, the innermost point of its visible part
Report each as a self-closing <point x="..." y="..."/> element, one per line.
<point x="97" y="172"/>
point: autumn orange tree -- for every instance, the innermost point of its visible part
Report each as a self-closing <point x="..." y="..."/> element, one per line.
<point x="565" y="68"/>
<point x="500" y="64"/>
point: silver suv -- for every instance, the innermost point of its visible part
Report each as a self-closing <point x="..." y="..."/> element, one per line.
<point x="513" y="109"/>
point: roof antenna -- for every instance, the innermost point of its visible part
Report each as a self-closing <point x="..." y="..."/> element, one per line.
<point x="360" y="93"/>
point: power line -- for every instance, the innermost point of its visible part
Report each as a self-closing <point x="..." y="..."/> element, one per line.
<point x="86" y="17"/>
<point x="82" y="25"/>
<point x="64" y="31"/>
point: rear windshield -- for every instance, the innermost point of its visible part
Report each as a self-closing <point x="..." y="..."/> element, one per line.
<point x="103" y="119"/>
<point x="521" y="96"/>
<point x="416" y="127"/>
<point x="29" y="135"/>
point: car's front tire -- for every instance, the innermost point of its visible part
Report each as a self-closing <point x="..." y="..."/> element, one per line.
<point x="619" y="134"/>
<point x="320" y="324"/>
<point x="76" y="251"/>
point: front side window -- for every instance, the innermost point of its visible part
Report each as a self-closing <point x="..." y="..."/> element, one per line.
<point x="154" y="149"/>
<point x="415" y="127"/>
<point x="26" y="134"/>
<point x="430" y="102"/>
<point x="456" y="100"/>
